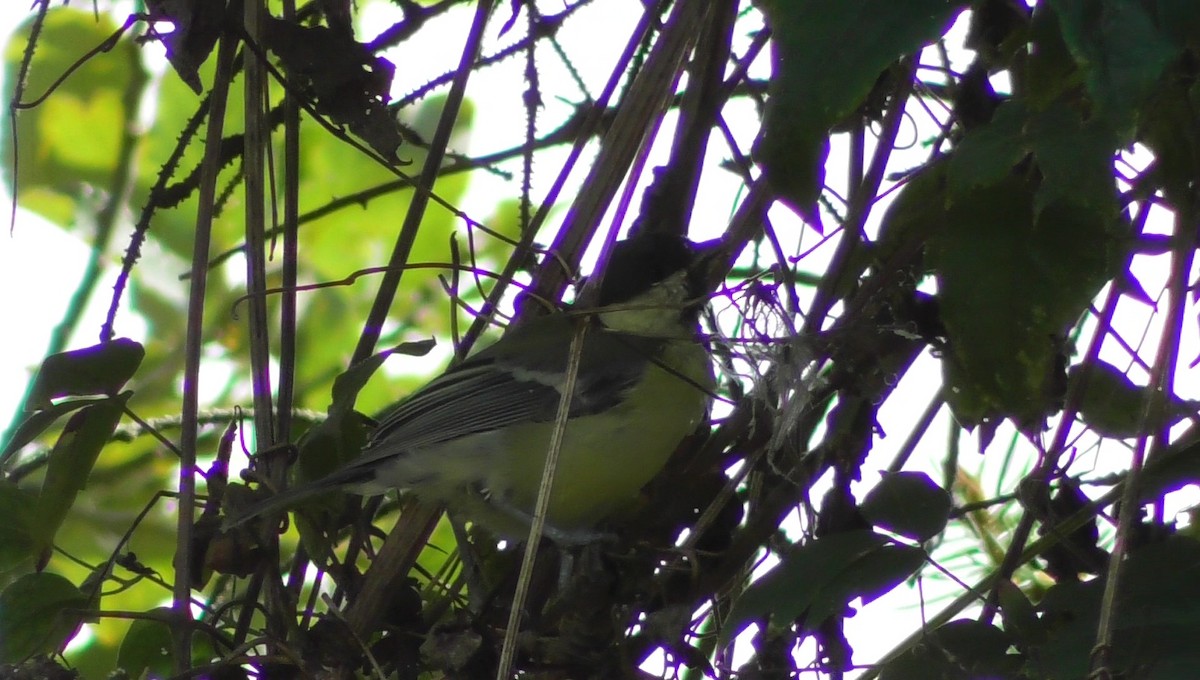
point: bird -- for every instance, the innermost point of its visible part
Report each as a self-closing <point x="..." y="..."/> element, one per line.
<point x="476" y="437"/>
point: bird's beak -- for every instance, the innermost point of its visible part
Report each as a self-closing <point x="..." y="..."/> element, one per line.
<point x="711" y="262"/>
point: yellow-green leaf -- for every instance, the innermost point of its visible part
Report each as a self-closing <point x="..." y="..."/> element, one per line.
<point x="71" y="138"/>
<point x="35" y="616"/>
<point x="72" y="460"/>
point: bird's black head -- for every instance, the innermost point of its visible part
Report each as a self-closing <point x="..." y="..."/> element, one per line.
<point x="640" y="262"/>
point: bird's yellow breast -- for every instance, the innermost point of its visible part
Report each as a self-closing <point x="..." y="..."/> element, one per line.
<point x="608" y="457"/>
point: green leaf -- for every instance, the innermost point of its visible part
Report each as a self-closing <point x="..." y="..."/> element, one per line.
<point x="1115" y="407"/>
<point x="1009" y="286"/>
<point x="999" y="358"/>
<point x="39" y="421"/>
<point x="1179" y="20"/>
<point x="347" y="385"/>
<point x="916" y="214"/>
<point x="826" y="56"/>
<point x="1051" y="73"/>
<point x="959" y="649"/>
<point x="987" y="154"/>
<point x="341" y="241"/>
<point x="72" y="137"/>
<point x="1168" y="128"/>
<point x="909" y="504"/>
<point x="1075" y="158"/>
<point x="340" y="437"/>
<point x="147" y="648"/>
<point x="34" y="617"/>
<point x="99" y="369"/>
<point x="17" y="531"/>
<point x="1157" y="624"/>
<point x="822" y="577"/>
<point x="1020" y="618"/>
<point x="71" y="461"/>
<point x="1121" y="52"/>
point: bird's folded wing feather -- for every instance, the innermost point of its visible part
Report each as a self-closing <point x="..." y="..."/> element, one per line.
<point x="487" y="393"/>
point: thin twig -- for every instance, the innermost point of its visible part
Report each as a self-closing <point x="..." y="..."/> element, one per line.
<point x="509" y="650"/>
<point x="193" y="344"/>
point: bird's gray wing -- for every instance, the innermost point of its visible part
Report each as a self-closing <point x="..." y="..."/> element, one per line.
<point x="490" y="391"/>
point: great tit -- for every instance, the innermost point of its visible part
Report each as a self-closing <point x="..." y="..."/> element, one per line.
<point x="476" y="437"/>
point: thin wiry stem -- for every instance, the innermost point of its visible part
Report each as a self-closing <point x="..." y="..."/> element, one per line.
<point x="182" y="638"/>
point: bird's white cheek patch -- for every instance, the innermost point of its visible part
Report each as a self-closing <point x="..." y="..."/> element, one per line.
<point x="555" y="380"/>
